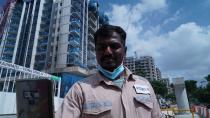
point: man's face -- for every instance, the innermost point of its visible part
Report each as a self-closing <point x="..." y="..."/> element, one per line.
<point x="110" y="51"/>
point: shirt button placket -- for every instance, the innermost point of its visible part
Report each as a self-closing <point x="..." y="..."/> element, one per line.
<point x="124" y="100"/>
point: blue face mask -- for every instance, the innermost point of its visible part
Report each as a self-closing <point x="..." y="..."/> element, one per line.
<point x="111" y="75"/>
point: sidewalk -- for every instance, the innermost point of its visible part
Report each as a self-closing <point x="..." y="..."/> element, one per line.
<point x="7" y="116"/>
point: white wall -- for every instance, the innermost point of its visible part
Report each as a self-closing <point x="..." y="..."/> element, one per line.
<point x="8" y="103"/>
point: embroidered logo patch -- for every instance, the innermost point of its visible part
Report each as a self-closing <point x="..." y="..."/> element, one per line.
<point x="143" y="89"/>
<point x="97" y="104"/>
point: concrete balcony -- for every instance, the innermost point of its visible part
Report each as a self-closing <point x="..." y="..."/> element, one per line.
<point x="75" y="32"/>
<point x="74" y="43"/>
<point x="92" y="22"/>
<point x="75" y="23"/>
<point x="76" y="15"/>
<point x="91" y="44"/>
<point x="8" y="52"/>
<point x="90" y="36"/>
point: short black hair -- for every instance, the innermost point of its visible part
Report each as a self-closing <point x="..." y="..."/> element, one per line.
<point x="107" y="31"/>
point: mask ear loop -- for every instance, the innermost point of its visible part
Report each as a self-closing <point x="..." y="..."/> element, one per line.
<point x="124" y="73"/>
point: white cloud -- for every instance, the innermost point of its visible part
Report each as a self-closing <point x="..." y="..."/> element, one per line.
<point x="181" y="52"/>
<point x="126" y="15"/>
<point x="150" y="5"/>
<point x="185" y="47"/>
<point x="173" y="18"/>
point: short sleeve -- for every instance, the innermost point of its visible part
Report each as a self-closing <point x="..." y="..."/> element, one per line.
<point x="72" y="104"/>
<point x="156" y="112"/>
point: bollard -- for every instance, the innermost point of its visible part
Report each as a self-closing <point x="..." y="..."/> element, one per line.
<point x="192" y="111"/>
<point x="209" y="113"/>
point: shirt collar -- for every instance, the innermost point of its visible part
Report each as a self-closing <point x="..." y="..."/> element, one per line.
<point x="100" y="78"/>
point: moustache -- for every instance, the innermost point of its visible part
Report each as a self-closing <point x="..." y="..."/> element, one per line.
<point x="108" y="57"/>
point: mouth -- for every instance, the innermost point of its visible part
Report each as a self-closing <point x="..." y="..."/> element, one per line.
<point x="108" y="60"/>
<point x="108" y="63"/>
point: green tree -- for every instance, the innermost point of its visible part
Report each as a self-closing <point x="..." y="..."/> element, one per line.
<point x="140" y="72"/>
<point x="159" y="88"/>
<point x="208" y="90"/>
<point x="203" y="96"/>
<point x="198" y="94"/>
<point x="191" y="87"/>
<point x="208" y="78"/>
<point x="171" y="97"/>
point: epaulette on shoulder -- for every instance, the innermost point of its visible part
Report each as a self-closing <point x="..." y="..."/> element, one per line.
<point x="140" y="77"/>
<point x="87" y="79"/>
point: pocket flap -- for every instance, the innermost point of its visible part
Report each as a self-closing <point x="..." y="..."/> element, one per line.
<point x="97" y="107"/>
<point x="145" y="100"/>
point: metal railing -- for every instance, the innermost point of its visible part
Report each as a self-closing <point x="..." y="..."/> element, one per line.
<point x="9" y="73"/>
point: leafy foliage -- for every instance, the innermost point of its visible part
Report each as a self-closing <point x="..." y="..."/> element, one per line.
<point x="200" y="95"/>
<point x="140" y="73"/>
<point x="208" y="78"/>
<point x="159" y="88"/>
<point x="171" y="97"/>
<point x="191" y="87"/>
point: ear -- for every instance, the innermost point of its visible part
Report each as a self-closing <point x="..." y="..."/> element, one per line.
<point x="125" y="50"/>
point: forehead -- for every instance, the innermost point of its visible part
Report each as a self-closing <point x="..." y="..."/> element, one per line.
<point x="113" y="37"/>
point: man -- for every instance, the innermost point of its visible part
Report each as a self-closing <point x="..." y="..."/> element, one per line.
<point x="113" y="92"/>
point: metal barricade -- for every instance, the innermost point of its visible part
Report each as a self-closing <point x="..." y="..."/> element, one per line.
<point x="203" y="111"/>
<point x="172" y="112"/>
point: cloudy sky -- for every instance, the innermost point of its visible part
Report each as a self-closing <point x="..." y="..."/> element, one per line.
<point x="175" y="32"/>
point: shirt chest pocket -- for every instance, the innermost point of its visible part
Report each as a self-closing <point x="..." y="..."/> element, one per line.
<point x="143" y="103"/>
<point x="96" y="109"/>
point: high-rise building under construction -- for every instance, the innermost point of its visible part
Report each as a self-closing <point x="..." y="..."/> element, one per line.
<point x="49" y="35"/>
<point x="54" y="36"/>
<point x="75" y="23"/>
<point x="25" y="31"/>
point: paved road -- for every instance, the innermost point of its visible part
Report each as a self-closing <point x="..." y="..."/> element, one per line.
<point x="7" y="116"/>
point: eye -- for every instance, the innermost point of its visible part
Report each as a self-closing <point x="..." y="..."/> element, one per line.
<point x="115" y="46"/>
<point x="102" y="47"/>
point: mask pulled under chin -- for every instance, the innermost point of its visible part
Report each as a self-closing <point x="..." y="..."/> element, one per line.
<point x="111" y="75"/>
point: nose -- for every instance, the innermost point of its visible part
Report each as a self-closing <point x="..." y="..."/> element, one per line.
<point x="108" y="50"/>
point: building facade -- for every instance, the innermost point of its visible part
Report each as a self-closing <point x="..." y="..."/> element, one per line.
<point x="158" y="73"/>
<point x="50" y="35"/>
<point x="144" y="66"/>
<point x="74" y="24"/>
<point x="54" y="36"/>
<point x="130" y="63"/>
<point x="25" y="38"/>
<point x="166" y="81"/>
